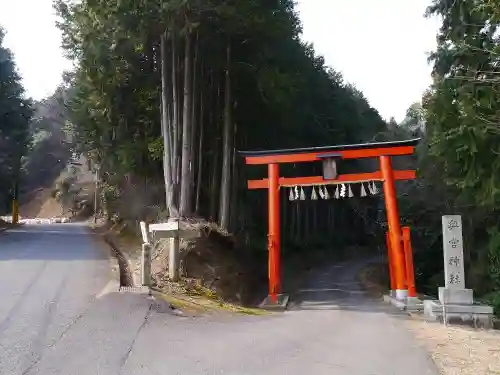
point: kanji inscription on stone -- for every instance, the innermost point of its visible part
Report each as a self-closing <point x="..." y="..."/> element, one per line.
<point x="453" y="249"/>
<point x="454" y="279"/>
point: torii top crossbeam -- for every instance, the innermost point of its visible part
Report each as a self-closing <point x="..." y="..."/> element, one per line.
<point x="329" y="156"/>
<point x="311" y="154"/>
<point x="362" y="150"/>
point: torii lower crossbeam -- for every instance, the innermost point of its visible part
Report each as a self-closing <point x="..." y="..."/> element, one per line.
<point x="319" y="180"/>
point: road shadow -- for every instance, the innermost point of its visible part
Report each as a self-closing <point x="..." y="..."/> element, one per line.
<point x="64" y="242"/>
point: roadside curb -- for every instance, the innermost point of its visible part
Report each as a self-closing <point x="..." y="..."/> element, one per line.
<point x="111" y="255"/>
<point x="124" y="266"/>
<point x="127" y="279"/>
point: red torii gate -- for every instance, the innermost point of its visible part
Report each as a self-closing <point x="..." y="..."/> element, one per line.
<point x="398" y="239"/>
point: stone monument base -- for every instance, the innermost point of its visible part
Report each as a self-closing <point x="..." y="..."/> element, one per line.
<point x="455" y="296"/>
<point x="476" y="314"/>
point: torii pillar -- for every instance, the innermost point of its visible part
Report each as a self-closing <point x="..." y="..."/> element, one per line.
<point x="396" y="252"/>
<point x="274" y="233"/>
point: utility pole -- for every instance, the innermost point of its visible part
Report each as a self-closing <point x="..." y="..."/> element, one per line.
<point x="15" y="202"/>
<point x="15" y="192"/>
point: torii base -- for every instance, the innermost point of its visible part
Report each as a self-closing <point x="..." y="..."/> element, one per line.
<point x="410" y="304"/>
<point x="280" y="304"/>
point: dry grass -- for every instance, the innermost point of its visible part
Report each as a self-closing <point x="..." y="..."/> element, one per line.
<point x="459" y="350"/>
<point x="41" y="204"/>
<point x="211" y="266"/>
<point x="199" y="305"/>
<point x="455" y="350"/>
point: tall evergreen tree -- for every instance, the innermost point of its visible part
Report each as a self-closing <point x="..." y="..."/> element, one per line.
<point x="15" y="115"/>
<point x="458" y="160"/>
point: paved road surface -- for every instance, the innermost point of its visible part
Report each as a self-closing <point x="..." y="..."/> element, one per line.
<point x="332" y="329"/>
<point x="52" y="324"/>
<point x="49" y="276"/>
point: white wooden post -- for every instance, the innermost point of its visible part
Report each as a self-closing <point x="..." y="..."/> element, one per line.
<point x="146" y="255"/>
<point x="173" y="230"/>
<point x="173" y="258"/>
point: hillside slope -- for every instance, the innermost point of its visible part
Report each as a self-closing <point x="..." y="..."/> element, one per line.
<point x="43" y="203"/>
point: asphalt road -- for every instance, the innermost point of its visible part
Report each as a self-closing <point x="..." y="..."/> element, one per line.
<point x="49" y="277"/>
<point x="331" y="329"/>
<point x="51" y="322"/>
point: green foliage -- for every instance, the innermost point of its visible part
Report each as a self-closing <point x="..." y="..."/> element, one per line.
<point x="51" y="143"/>
<point x="414" y="121"/>
<point x="281" y="95"/>
<point x="463" y="102"/>
<point x="66" y="191"/>
<point x="458" y="162"/>
<point x="494" y="256"/>
<point x="493" y="299"/>
<point x="15" y="115"/>
<point x="109" y="198"/>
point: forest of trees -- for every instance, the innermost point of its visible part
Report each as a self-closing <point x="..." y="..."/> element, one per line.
<point x="50" y="147"/>
<point x="204" y="79"/>
<point x="459" y="164"/>
<point x="165" y="92"/>
<point x="33" y="147"/>
<point x="15" y="117"/>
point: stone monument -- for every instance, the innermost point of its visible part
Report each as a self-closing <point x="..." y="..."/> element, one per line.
<point x="456" y="301"/>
